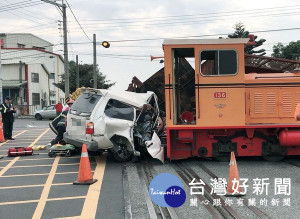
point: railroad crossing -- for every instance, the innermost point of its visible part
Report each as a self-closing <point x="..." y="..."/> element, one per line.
<point x="42" y="187"/>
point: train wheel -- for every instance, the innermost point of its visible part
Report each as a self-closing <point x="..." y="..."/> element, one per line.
<point x="273" y="157"/>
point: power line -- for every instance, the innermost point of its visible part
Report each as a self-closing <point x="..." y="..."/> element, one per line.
<point x="205" y="35"/>
<point x="185" y="20"/>
<point x="202" y="21"/>
<point x="20" y="6"/>
<point x="32" y="14"/>
<point x="18" y="3"/>
<point x="77" y="21"/>
<point x="205" y="14"/>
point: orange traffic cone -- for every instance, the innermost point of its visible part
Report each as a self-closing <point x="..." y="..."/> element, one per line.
<point x="85" y="173"/>
<point x="233" y="176"/>
<point x="1" y="130"/>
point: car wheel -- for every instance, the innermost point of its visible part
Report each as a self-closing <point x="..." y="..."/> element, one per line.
<point x="38" y="117"/>
<point x="51" y="154"/>
<point x="121" y="153"/>
<point x="122" y="148"/>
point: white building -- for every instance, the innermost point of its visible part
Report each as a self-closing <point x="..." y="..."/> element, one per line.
<point x="29" y="69"/>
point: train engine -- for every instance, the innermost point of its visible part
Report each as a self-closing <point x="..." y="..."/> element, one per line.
<point x="226" y="109"/>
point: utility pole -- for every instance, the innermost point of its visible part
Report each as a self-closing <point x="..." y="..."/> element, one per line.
<point x="95" y="62"/>
<point x="62" y="7"/>
<point x="66" y="60"/>
<point x="1" y="95"/>
<point x="77" y="72"/>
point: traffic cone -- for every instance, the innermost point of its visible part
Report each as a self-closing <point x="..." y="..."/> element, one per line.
<point x="85" y="173"/>
<point x="1" y="130"/>
<point x="233" y="174"/>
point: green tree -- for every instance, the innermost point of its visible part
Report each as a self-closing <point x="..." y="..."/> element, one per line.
<point x="85" y="77"/>
<point x="290" y="51"/>
<point x="241" y="32"/>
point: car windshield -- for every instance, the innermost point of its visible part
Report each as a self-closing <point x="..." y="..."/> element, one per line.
<point x="85" y="104"/>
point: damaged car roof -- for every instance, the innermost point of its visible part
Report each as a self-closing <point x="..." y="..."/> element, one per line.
<point x="135" y="99"/>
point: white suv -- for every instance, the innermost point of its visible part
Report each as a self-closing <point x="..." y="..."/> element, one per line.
<point x="125" y="123"/>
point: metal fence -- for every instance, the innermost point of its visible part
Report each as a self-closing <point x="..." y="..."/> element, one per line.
<point x="26" y="110"/>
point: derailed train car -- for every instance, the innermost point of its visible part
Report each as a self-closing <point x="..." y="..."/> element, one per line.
<point x="226" y="109"/>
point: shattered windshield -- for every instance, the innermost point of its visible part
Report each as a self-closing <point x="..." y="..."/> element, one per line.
<point x="85" y="104"/>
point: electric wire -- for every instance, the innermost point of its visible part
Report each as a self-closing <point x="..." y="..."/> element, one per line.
<point x="77" y="21"/>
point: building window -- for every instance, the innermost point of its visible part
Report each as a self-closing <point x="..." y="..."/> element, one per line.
<point x="35" y="77"/>
<point x="218" y="62"/>
<point x="21" y="45"/>
<point x="35" y="99"/>
<point x="39" y="48"/>
<point x="52" y="76"/>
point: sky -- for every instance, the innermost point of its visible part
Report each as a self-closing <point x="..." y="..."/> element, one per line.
<point x="120" y="21"/>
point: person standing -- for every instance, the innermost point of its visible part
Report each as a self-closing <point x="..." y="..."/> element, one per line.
<point x="7" y="111"/>
<point x="58" y="108"/>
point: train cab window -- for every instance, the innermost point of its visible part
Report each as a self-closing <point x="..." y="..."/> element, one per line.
<point x="183" y="86"/>
<point x="218" y="62"/>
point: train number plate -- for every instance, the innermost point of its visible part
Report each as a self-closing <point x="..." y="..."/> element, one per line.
<point x="220" y="95"/>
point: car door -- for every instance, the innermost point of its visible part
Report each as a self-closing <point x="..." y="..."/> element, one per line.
<point x="50" y="112"/>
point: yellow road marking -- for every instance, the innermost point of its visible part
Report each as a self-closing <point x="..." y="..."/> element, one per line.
<point x="42" y="202"/>
<point x="90" y="204"/>
<point x="42" y="165"/>
<point x="38" y="185"/>
<point x="42" y="158"/>
<point x="38" y="138"/>
<point x="18" y="202"/>
<point x="65" y="198"/>
<point x="50" y="199"/>
<point x="74" y="217"/>
<point x="38" y="174"/>
<point x="9" y="165"/>
<point x="13" y="137"/>
<point x="25" y="186"/>
<point x="49" y="165"/>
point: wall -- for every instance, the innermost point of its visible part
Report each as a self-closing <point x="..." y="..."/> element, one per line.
<point x="29" y="40"/>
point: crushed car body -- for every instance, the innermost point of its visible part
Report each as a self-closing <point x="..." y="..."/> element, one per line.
<point x="125" y="123"/>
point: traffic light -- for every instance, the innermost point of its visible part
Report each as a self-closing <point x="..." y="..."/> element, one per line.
<point x="105" y="44"/>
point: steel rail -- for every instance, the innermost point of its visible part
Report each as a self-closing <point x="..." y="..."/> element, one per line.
<point x="148" y="200"/>
<point x="167" y="212"/>
<point x="128" y="212"/>
<point x="225" y="211"/>
<point x="291" y="163"/>
<point x="245" y="201"/>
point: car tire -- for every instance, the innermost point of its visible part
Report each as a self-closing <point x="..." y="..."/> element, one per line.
<point x="121" y="151"/>
<point x="121" y="155"/>
<point x="38" y="117"/>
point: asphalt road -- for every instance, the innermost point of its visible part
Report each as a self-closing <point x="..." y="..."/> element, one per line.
<point x="41" y="187"/>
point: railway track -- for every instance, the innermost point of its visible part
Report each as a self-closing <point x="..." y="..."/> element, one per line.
<point x="292" y="163"/>
<point x="258" y="212"/>
<point x="222" y="211"/>
<point x="146" y="173"/>
<point x="186" y="173"/>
